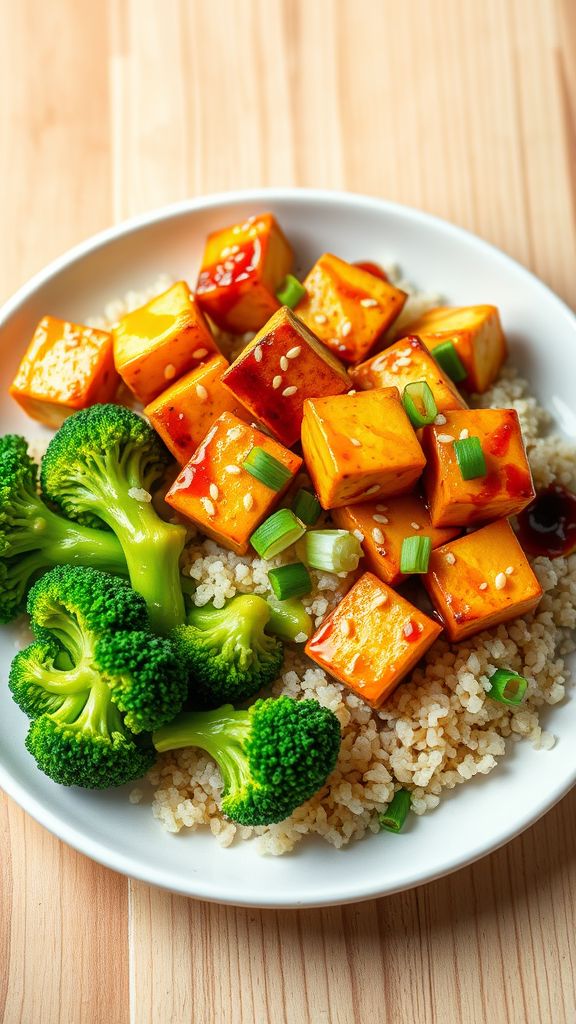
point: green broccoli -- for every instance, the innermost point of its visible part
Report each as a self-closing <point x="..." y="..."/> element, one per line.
<point x="272" y="757"/>
<point x="99" y="469"/>
<point x="226" y="652"/>
<point x="33" y="538"/>
<point x="93" y="679"/>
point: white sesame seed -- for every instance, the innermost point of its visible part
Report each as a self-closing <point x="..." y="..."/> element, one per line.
<point x="509" y="570"/>
<point x="248" y="501"/>
<point x="320" y="318"/>
<point x="352" y="391"/>
<point x="367" y="303"/>
<point x="359" y="535"/>
<point x="242" y="277"/>
<point x="169" y="371"/>
<point x="345" y="328"/>
<point x="464" y="434"/>
<point x="403" y="361"/>
<point x="380" y="600"/>
<point x="258" y="354"/>
<point x="201" y="392"/>
<point x="234" y="249"/>
<point x="234" y="433"/>
<point x="500" y="581"/>
<point x="229" y="265"/>
<point x="139" y="494"/>
<point x="233" y="469"/>
<point x="372" y="490"/>
<point x="300" y="638"/>
<point x="293" y="353"/>
<point x="208" y="506"/>
<point x="408" y="629"/>
<point x="445" y="438"/>
<point x="226" y="251"/>
<point x="345" y="627"/>
<point x="450" y="558"/>
<point x="440" y="420"/>
<point x="277" y="381"/>
<point x="380" y="519"/>
<point x="284" y="363"/>
<point x="377" y="535"/>
<point x="200" y="353"/>
<point x="180" y="415"/>
<point x="355" y="442"/>
<point x="415" y="526"/>
<point x="214" y="492"/>
<point x="483" y="586"/>
<point x="288" y="392"/>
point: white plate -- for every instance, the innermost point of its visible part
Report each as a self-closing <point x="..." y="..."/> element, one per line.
<point x="479" y="816"/>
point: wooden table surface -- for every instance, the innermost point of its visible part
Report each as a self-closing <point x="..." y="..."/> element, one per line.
<point x="460" y="107"/>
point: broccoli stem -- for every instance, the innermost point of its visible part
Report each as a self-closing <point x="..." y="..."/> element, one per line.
<point x="69" y="543"/>
<point x="221" y="733"/>
<point x="235" y="628"/>
<point x="91" y="712"/>
<point x="62" y="681"/>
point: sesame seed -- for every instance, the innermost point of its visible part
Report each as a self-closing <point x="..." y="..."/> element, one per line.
<point x="450" y="558"/>
<point x="288" y="392"/>
<point x="367" y="303"/>
<point x="234" y="249"/>
<point x="201" y="392"/>
<point x="293" y="353"/>
<point x="180" y="415"/>
<point x="380" y="519"/>
<point x="169" y="371"/>
<point x="300" y="638"/>
<point x="214" y="492"/>
<point x="248" y="501"/>
<point x="242" y="277"/>
<point x="372" y="490"/>
<point x="380" y="600"/>
<point x="352" y="391"/>
<point x="509" y="570"/>
<point x="200" y="353"/>
<point x="377" y="535"/>
<point x="277" y="381"/>
<point x="355" y="442"/>
<point x="440" y="420"/>
<point x="234" y="433"/>
<point x="464" y="434"/>
<point x="345" y="627"/>
<point x="284" y="363"/>
<point x="345" y="328"/>
<point x="403" y="361"/>
<point x="229" y="265"/>
<point x="226" y="251"/>
<point x="415" y="526"/>
<point x="445" y="438"/>
<point x="320" y="318"/>
<point x="139" y="494"/>
<point x="483" y="586"/>
<point x="208" y="506"/>
<point x="408" y="629"/>
<point x="500" y="581"/>
<point x="358" y="534"/>
<point x="258" y="354"/>
<point x="233" y="469"/>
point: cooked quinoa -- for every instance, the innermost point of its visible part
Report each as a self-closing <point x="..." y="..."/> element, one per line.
<point x="438" y="729"/>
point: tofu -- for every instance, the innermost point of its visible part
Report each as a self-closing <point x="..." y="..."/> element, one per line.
<point x="242" y="268"/>
<point x="184" y="412"/>
<point x="372" y="639"/>
<point x="383" y="528"/>
<point x="66" y="367"/>
<point x="507" y="487"/>
<point x="214" y="490"/>
<point x="476" y="334"/>
<point x="279" y="369"/>
<point x="481" y="580"/>
<point x="161" y="341"/>
<point x="348" y="308"/>
<point x="403" y="363"/>
<point x="360" y="446"/>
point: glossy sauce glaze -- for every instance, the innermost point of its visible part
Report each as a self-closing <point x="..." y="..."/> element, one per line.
<point x="548" y="525"/>
<point x="372" y="268"/>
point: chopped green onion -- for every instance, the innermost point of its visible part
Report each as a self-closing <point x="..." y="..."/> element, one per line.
<point x="415" y="554"/>
<point x="393" y="818"/>
<point x="446" y="355"/>
<point x="332" y="550"/>
<point x="277" y="533"/>
<point x="419" y="403"/>
<point x="289" y="620"/>
<point x="290" y="581"/>
<point x="290" y="291"/>
<point x="470" y="457"/>
<point x="507" y="687"/>
<point x="307" y="507"/>
<point x="265" y="468"/>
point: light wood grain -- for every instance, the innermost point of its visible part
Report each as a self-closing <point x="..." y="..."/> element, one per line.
<point x="465" y="109"/>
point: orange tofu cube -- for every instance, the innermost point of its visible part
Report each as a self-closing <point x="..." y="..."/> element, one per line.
<point x="283" y="365"/>
<point x="403" y="363"/>
<point x="184" y="413"/>
<point x="372" y="639"/>
<point x="214" y="490"/>
<point x="161" y="341"/>
<point x="242" y="268"/>
<point x="360" y="446"/>
<point x="481" y="580"/>
<point x="507" y="487"/>
<point x="348" y="308"/>
<point x="476" y="334"/>
<point x="66" y="367"/>
<point x="384" y="527"/>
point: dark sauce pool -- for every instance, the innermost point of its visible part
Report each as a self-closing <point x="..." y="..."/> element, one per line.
<point x="548" y="525"/>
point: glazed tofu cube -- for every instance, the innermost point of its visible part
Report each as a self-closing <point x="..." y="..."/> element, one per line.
<point x="283" y="365"/>
<point x="184" y="413"/>
<point x="360" y="446"/>
<point x="476" y="334"/>
<point x="505" y="489"/>
<point x="159" y="342"/>
<point x="221" y="497"/>
<point x="372" y="639"/>
<point x="381" y="529"/>
<point x="242" y="268"/>
<point x="403" y="363"/>
<point x="66" y="367"/>
<point x="481" y="580"/>
<point x="348" y="308"/>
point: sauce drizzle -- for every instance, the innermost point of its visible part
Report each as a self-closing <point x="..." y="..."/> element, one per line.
<point x="548" y="525"/>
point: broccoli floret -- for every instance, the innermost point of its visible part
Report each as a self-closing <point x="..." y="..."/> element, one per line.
<point x="272" y="757"/>
<point x="99" y="469"/>
<point x="93" y="679"/>
<point x="227" y="654"/>
<point x="33" y="538"/>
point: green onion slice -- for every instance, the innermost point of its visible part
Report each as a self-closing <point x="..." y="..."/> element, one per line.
<point x="415" y="554"/>
<point x="332" y="550"/>
<point x="277" y="533"/>
<point x="265" y="468"/>
<point x="446" y="355"/>
<point x="290" y="581"/>
<point x="393" y="818"/>
<point x="307" y="507"/>
<point x="419" y="403"/>
<point x="470" y="458"/>
<point x="507" y="687"/>
<point x="289" y="620"/>
<point x="290" y="291"/>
